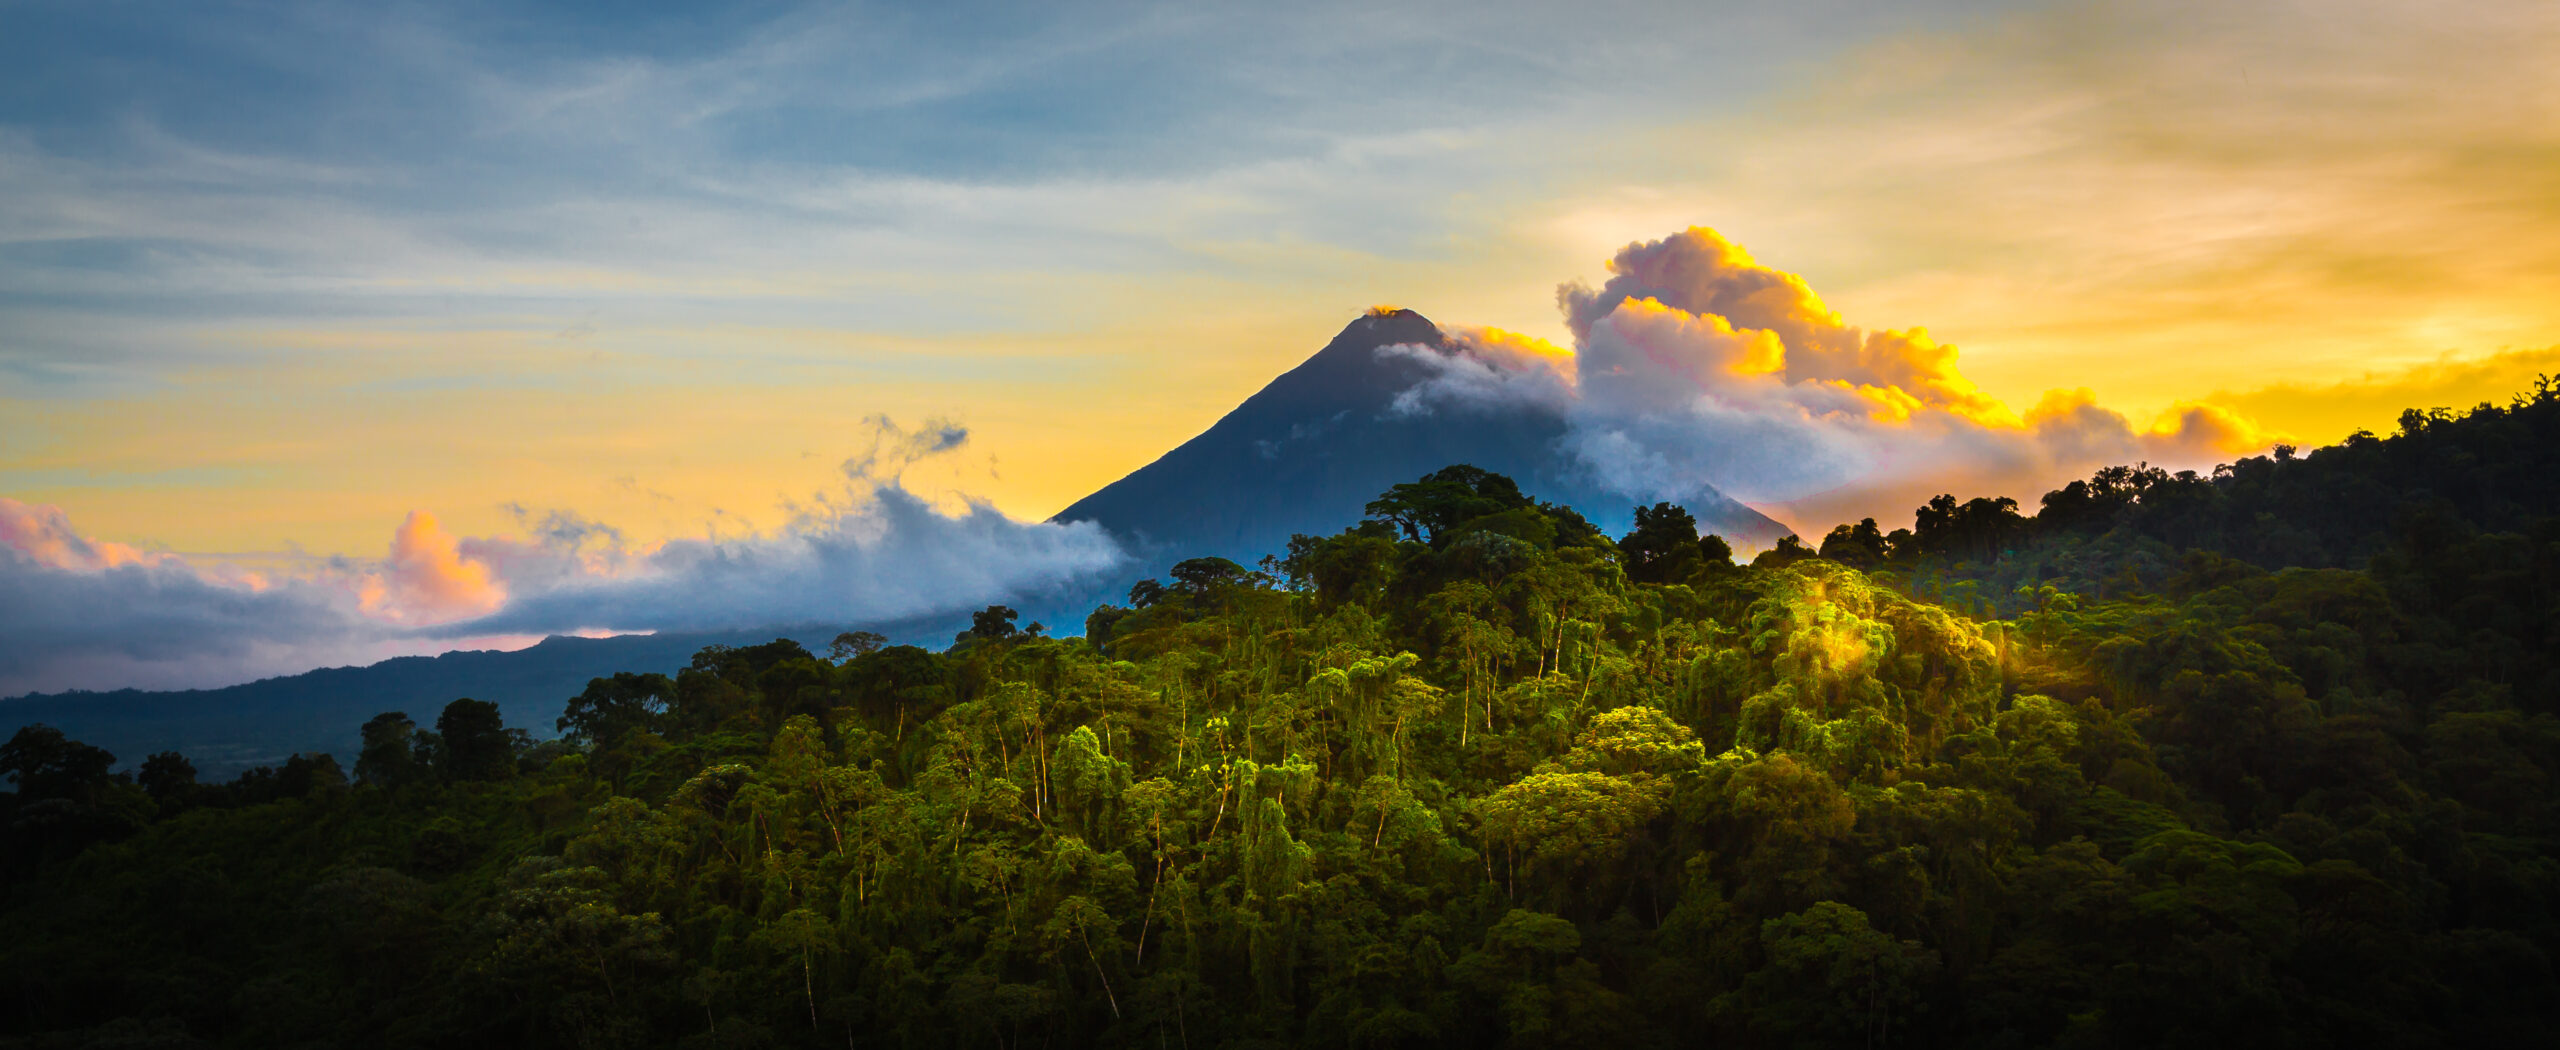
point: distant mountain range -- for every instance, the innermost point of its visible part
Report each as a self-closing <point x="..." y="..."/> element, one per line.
<point x="1305" y="454"/>
<point x="1308" y="452"/>
<point x="225" y="731"/>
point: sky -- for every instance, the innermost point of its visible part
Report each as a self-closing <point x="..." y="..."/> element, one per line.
<point x="332" y="331"/>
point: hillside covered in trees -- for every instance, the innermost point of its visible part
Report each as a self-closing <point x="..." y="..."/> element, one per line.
<point x="2264" y="757"/>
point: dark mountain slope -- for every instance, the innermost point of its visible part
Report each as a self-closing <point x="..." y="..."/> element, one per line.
<point x="224" y="731"/>
<point x="1310" y="450"/>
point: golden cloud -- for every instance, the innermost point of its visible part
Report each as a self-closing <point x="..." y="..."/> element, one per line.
<point x="427" y="580"/>
<point x="1695" y="368"/>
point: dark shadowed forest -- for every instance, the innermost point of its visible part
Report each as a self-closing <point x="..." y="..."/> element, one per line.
<point x="2263" y="757"/>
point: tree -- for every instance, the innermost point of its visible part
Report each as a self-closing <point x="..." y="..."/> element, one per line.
<point x="44" y="764"/>
<point x="310" y="773"/>
<point x="1715" y="552"/>
<point x="1789" y="551"/>
<point x="1425" y="511"/>
<point x="1635" y="741"/>
<point x="389" y="753"/>
<point x="1099" y="623"/>
<point x="898" y="686"/>
<point x="851" y="644"/>
<point x="1199" y="578"/>
<point x="1831" y="979"/>
<point x="1145" y="593"/>
<point x="475" y="742"/>
<point x="802" y="686"/>
<point x="740" y="665"/>
<point x="804" y="933"/>
<point x="1528" y="968"/>
<point x="615" y="707"/>
<point x="1981" y="528"/>
<point x="1564" y="821"/>
<point x="1086" y="783"/>
<point x="991" y="624"/>
<point x="1859" y="546"/>
<point x="169" y="779"/>
<point x="1664" y="546"/>
<point x="1076" y="920"/>
<point x="577" y="963"/>
<point x="1354" y="566"/>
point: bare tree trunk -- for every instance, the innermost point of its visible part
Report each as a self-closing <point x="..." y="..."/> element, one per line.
<point x="1099" y="975"/>
<point x="809" y="987"/>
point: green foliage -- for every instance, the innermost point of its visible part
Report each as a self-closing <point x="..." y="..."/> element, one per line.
<point x="390" y="755"/>
<point x="613" y="708"/>
<point x="474" y="743"/>
<point x="43" y="764"/>
<point x="1432" y="509"/>
<point x="1466" y="774"/>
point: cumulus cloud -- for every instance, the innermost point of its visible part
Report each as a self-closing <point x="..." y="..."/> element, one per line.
<point x="1696" y="368"/>
<point x="43" y="536"/>
<point x="428" y="580"/>
<point x="77" y="612"/>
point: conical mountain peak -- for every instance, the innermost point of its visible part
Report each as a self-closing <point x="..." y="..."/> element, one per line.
<point x="1349" y="373"/>
<point x="1311" y="449"/>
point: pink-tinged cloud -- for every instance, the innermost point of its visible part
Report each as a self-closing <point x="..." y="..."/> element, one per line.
<point x="427" y="580"/>
<point x="81" y="613"/>
<point x="1694" y="367"/>
<point x="44" y="535"/>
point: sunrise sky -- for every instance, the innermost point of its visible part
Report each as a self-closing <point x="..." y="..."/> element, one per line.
<point x="323" y="295"/>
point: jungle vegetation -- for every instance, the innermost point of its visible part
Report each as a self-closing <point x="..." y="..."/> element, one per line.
<point x="2263" y="757"/>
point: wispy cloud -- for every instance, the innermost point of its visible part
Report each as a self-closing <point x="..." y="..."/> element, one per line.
<point x="419" y="161"/>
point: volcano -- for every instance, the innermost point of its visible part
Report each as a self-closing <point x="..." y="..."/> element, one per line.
<point x="1309" y="451"/>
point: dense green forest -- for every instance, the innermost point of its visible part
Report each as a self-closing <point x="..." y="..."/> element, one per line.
<point x="2264" y="757"/>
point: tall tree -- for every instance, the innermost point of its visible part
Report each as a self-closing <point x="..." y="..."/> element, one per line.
<point x="475" y="741"/>
<point x="45" y="764"/>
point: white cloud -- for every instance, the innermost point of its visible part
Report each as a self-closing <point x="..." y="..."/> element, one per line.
<point x="82" y="613"/>
<point x="1694" y="367"/>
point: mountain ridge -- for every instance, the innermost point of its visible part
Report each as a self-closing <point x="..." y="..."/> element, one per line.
<point x="231" y="728"/>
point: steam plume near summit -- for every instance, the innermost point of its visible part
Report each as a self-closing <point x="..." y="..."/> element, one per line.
<point x="1694" y="367"/>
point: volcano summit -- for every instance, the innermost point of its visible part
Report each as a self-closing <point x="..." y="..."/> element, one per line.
<point x="1313" y="447"/>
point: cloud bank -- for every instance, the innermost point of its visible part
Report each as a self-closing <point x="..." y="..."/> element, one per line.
<point x="1694" y="367"/>
<point x="78" y="612"/>
<point x="82" y="613"/>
